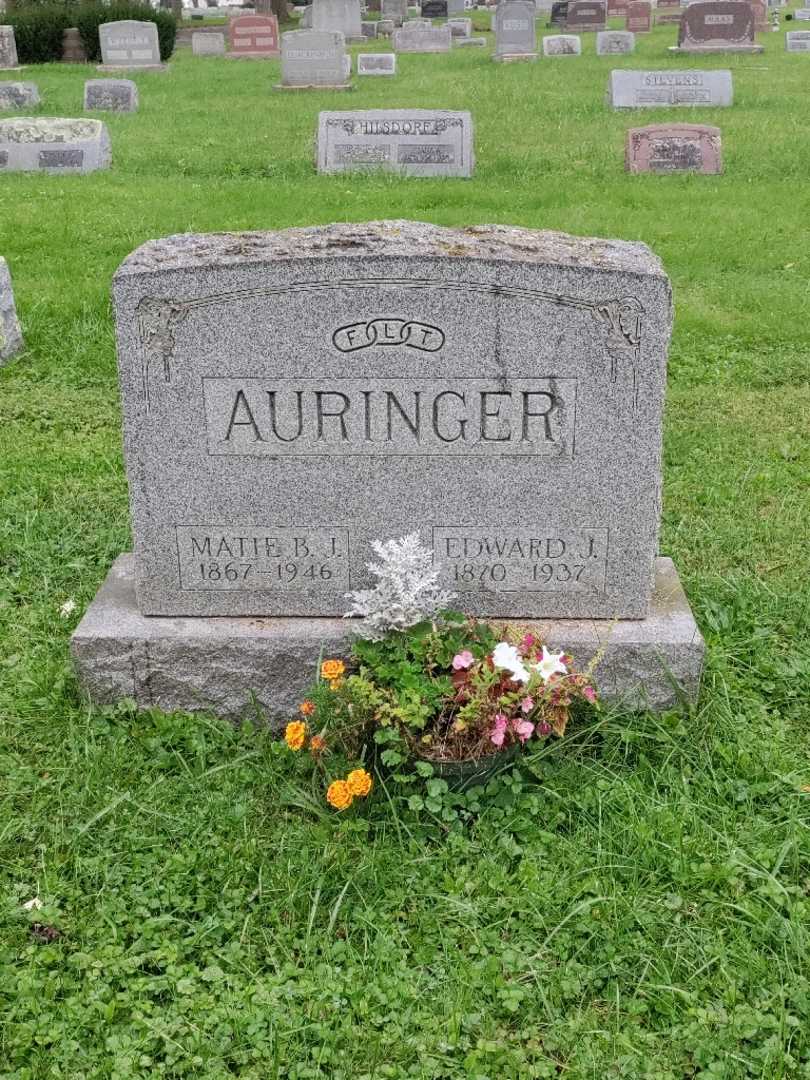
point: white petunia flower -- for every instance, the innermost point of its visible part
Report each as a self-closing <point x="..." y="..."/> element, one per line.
<point x="550" y="664"/>
<point x="67" y="608"/>
<point x="32" y="905"/>
<point x="507" y="657"/>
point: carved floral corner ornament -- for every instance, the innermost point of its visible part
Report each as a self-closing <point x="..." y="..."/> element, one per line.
<point x="157" y="320"/>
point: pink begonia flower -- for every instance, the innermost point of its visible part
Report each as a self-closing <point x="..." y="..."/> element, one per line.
<point x="499" y="731"/>
<point x="528" y="642"/>
<point x="544" y="728"/>
<point x="524" y="729"/>
<point x="527" y="704"/>
<point x="463" y="660"/>
<point x="589" y="693"/>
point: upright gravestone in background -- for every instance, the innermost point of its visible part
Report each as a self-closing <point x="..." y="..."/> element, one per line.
<point x="338" y="15"/>
<point x="45" y="144"/>
<point x="616" y="8"/>
<point x="18" y="95"/>
<point x="8" y="49"/>
<point x="129" y="44"/>
<point x="717" y="26"/>
<point x="668" y="148"/>
<point x="394" y="10"/>
<point x="111" y="95"/>
<point x="615" y="42"/>
<point x="204" y="43"/>
<point x="313" y="58"/>
<point x="515" y="32"/>
<point x="253" y="37"/>
<point x="434" y="9"/>
<point x="436" y="39"/>
<point x="73" y="50"/>
<point x="413" y="142"/>
<point x="585" y="15"/>
<point x="291" y="397"/>
<point x="646" y="89"/>
<point x="639" y="17"/>
<point x="11" y="340"/>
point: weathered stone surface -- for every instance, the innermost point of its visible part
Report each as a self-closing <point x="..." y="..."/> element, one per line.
<point x="797" y="41"/>
<point x="437" y="39"/>
<point x="435" y="369"/>
<point x="717" y="26"/>
<point x="639" y="17"/>
<point x="376" y="64"/>
<point x="562" y="45"/>
<point x="11" y="340"/>
<point x="642" y="89"/>
<point x="616" y="8"/>
<point x="615" y="42"/>
<point x="414" y="142"/>
<point x="230" y="665"/>
<point x="111" y="95"/>
<point x="474" y="42"/>
<point x="434" y="9"/>
<point x="8" y="49"/>
<point x="207" y="44"/>
<point x="129" y="43"/>
<point x="395" y="11"/>
<point x="416" y="24"/>
<point x="460" y="28"/>
<point x="585" y="15"/>
<point x="18" y="95"/>
<point x="385" y="27"/>
<point x="559" y="13"/>
<point x="369" y="29"/>
<point x="36" y="143"/>
<point x="515" y="33"/>
<point x="802" y="14"/>
<point x="253" y="37"/>
<point x="338" y="15"/>
<point x="73" y="51"/>
<point x="455" y="7"/>
<point x="666" y="148"/>
<point x="313" y="58"/>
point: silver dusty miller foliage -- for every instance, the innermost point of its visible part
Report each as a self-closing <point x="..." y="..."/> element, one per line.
<point x="406" y="592"/>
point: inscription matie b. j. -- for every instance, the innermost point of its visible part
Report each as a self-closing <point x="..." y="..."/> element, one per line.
<point x="409" y="416"/>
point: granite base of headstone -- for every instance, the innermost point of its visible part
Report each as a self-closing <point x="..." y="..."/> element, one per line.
<point x="11" y="339"/>
<point x="18" y="95"/>
<point x="674" y="148"/>
<point x="49" y="145"/>
<point x="523" y="361"/>
<point x="111" y="95"/>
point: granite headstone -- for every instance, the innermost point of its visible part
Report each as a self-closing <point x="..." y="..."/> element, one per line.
<point x="395" y="11"/>
<point x="437" y="39"/>
<point x="45" y="144"/>
<point x="338" y="15"/>
<point x="111" y="95"/>
<point x="639" y="17"/>
<point x="253" y="37"/>
<point x="668" y="148"/>
<point x="797" y="41"/>
<point x="562" y="45"/>
<point x="207" y="44"/>
<point x="18" y="95"/>
<point x="11" y="340"/>
<point x="129" y="43"/>
<point x="515" y="31"/>
<point x="647" y="89"/>
<point x="717" y="26"/>
<point x="412" y="142"/>
<point x="615" y="42"/>
<point x="585" y="15"/>
<point x="313" y="58"/>
<point x="376" y="64"/>
<point x="8" y="49"/>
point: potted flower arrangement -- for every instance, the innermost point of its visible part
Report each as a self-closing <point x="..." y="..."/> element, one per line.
<point x="424" y="683"/>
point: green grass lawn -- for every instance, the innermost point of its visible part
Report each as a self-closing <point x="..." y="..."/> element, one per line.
<point x="638" y="903"/>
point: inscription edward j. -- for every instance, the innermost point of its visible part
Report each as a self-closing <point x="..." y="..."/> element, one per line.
<point x="362" y="335"/>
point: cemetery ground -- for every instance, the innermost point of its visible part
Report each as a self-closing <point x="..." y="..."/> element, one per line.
<point x="636" y="903"/>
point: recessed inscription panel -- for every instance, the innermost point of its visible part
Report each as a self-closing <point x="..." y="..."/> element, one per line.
<point x="420" y="417"/>
<point x="533" y="558"/>
<point x="264" y="558"/>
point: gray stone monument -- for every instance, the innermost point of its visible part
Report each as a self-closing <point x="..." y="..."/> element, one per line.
<point x="648" y="89"/>
<point x="376" y="64"/>
<point x="515" y="32"/>
<point x="414" y="142"/>
<point x="313" y="58"/>
<point x="435" y="39"/>
<point x="394" y="10"/>
<point x="129" y="44"/>
<point x="11" y="340"/>
<point x="45" y="144"/>
<point x="718" y="26"/>
<point x="369" y="30"/>
<point x="797" y="41"/>
<point x="338" y="15"/>
<point x="290" y="397"/>
<point x="111" y="95"/>
<point x="8" y="49"/>
<point x="562" y="45"/>
<point x="460" y="28"/>
<point x="204" y="43"/>
<point x="18" y="95"/>
<point x="615" y="42"/>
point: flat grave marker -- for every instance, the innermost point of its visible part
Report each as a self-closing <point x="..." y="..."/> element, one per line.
<point x="53" y="145"/>
<point x="111" y="95"/>
<point x="562" y="45"/>
<point x="647" y="89"/>
<point x="413" y="142"/>
<point x="18" y="95"/>
<point x="668" y="148"/>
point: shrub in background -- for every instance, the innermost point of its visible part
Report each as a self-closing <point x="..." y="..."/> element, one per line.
<point x="38" y="31"/>
<point x="88" y="18"/>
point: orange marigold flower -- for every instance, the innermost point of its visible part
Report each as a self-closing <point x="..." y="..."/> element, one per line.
<point x="359" y="782"/>
<point x="307" y="707"/>
<point x="295" y="734"/>
<point x="317" y="744"/>
<point x="339" y="795"/>
<point x="332" y="669"/>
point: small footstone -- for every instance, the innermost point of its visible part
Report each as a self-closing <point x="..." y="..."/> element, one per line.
<point x="18" y="95"/>
<point x="110" y="95"/>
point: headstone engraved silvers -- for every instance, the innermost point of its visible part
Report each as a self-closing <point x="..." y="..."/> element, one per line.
<point x="717" y="26"/>
<point x="18" y="95"/>
<point x="615" y="42"/>
<point x="290" y="397"/>
<point x="8" y="49"/>
<point x="129" y="43"/>
<point x="111" y="95"/>
<point x="376" y="64"/>
<point x="668" y="148"/>
<point x="562" y="45"/>
<point x="647" y="89"/>
<point x="435" y="39"/>
<point x="253" y="37"/>
<point x="44" y="144"/>
<point x="205" y="43"/>
<point x="515" y="32"/>
<point x="11" y="340"/>
<point x="414" y="142"/>
<point x="312" y="58"/>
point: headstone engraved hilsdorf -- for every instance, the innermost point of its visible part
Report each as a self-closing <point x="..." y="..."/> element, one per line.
<point x="515" y="32"/>
<point x="313" y="58"/>
<point x="44" y="144"/>
<point x="290" y="397"/>
<point x="111" y="95"/>
<point x="717" y="26"/>
<point x="11" y="340"/>
<point x="647" y="89"/>
<point x="667" y="148"/>
<point x="18" y="95"/>
<point x="129" y="43"/>
<point x="414" y="142"/>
